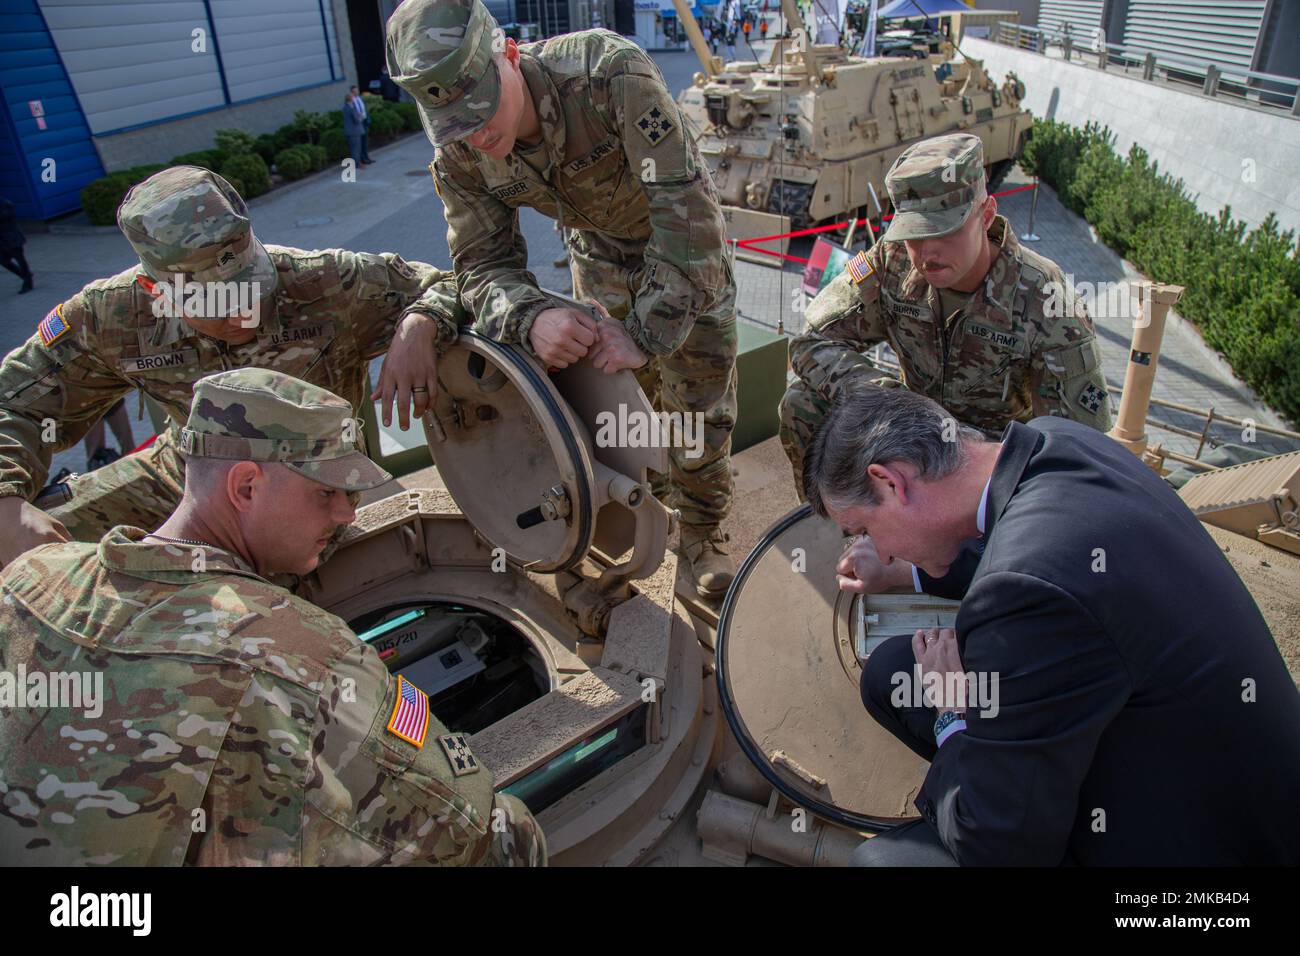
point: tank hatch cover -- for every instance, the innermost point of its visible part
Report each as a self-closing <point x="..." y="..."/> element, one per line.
<point x="514" y="447"/>
<point x="789" y="654"/>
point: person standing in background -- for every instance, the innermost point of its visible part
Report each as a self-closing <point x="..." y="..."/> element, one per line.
<point x="356" y="127"/>
<point x="12" y="241"/>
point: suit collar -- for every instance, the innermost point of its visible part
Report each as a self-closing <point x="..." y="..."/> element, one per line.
<point x="1019" y="443"/>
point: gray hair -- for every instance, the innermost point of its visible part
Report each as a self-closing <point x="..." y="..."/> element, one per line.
<point x="874" y="425"/>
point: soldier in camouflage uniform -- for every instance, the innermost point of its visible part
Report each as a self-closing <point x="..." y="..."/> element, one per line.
<point x="323" y="316"/>
<point x="980" y="324"/>
<point x="582" y="128"/>
<point x="237" y="724"/>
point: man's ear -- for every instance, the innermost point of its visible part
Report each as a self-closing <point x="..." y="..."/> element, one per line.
<point x="244" y="481"/>
<point x="889" y="482"/>
<point x="512" y="51"/>
<point x="990" y="212"/>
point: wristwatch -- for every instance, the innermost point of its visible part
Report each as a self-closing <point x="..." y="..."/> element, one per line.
<point x="949" y="723"/>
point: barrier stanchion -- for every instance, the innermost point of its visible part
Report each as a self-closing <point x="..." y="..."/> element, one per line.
<point x="1030" y="235"/>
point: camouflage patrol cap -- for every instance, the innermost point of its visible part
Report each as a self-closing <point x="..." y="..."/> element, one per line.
<point x="441" y="52"/>
<point x="935" y="185"/>
<point x="191" y="221"/>
<point x="256" y="414"/>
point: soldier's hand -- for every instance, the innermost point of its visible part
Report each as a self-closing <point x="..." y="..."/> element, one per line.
<point x="562" y="336"/>
<point x="26" y="527"/>
<point x="410" y="370"/>
<point x="615" y="348"/>
<point x="861" y="571"/>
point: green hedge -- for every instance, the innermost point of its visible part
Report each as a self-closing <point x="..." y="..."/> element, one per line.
<point x="101" y="197"/>
<point x="1243" y="287"/>
<point x="210" y="159"/>
<point x="335" y="144"/>
<point x="385" y="124"/>
<point x="314" y="139"/>
<point x="293" y="163"/>
<point x="250" y="169"/>
<point x="299" y="161"/>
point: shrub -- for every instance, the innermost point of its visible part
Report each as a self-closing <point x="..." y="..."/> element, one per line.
<point x="1243" y="286"/>
<point x="233" y="142"/>
<point x="385" y="124"/>
<point x="251" y="170"/>
<point x="305" y="128"/>
<point x="293" y="163"/>
<point x="335" y="145"/>
<point x="101" y="197"/>
<point x="211" y="159"/>
<point x="267" y="145"/>
<point x="410" y="114"/>
<point x="319" y="157"/>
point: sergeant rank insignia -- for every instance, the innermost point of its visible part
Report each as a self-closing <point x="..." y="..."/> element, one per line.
<point x="459" y="755"/>
<point x="410" y="719"/>
<point x="655" y="125"/>
<point x="860" y="269"/>
<point x="53" y="327"/>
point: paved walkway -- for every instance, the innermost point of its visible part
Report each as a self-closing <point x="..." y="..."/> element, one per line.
<point x="392" y="206"/>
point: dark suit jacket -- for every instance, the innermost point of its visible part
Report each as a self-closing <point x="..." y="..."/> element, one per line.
<point x="353" y="125"/>
<point x="1122" y="737"/>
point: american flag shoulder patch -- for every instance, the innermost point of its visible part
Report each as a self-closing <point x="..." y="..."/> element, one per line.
<point x="410" y="719"/>
<point x="53" y="326"/>
<point x="859" y="268"/>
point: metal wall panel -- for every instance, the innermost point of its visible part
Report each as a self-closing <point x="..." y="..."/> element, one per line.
<point x="270" y="48"/>
<point x="1221" y="32"/>
<point x="133" y="63"/>
<point x="1083" y="17"/>
<point x="332" y="38"/>
<point x="40" y="120"/>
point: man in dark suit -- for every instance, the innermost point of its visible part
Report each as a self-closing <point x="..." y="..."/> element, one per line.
<point x="1141" y="713"/>
<point x="356" y="127"/>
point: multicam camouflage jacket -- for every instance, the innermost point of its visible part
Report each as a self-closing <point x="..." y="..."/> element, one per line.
<point x="623" y="171"/>
<point x="1024" y="346"/>
<point x="237" y="724"/>
<point x="332" y="311"/>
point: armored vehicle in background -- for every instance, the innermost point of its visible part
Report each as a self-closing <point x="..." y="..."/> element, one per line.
<point x="804" y="138"/>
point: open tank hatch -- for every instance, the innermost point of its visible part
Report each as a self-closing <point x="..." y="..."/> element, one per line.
<point x="475" y="667"/>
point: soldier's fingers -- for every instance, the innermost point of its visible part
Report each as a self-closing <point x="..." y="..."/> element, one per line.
<point x="582" y="335"/>
<point x="386" y="399"/>
<point x="918" y="645"/>
<point x="404" y="406"/>
<point x="59" y="530"/>
<point x="587" y="320"/>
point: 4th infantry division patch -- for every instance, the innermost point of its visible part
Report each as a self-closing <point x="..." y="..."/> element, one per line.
<point x="410" y="719"/>
<point x="655" y="125"/>
<point x="459" y="755"/>
<point x="860" y="269"/>
<point x="53" y="327"/>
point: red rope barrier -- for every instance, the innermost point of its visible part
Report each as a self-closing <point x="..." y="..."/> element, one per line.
<point x="749" y="243"/>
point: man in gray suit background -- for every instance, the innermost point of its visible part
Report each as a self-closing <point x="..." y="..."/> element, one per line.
<point x="356" y="127"/>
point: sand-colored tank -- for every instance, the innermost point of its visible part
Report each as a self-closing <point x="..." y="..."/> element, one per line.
<point x="803" y="138"/>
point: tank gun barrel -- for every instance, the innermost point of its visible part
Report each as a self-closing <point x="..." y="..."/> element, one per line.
<point x="794" y="22"/>
<point x="694" y="34"/>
